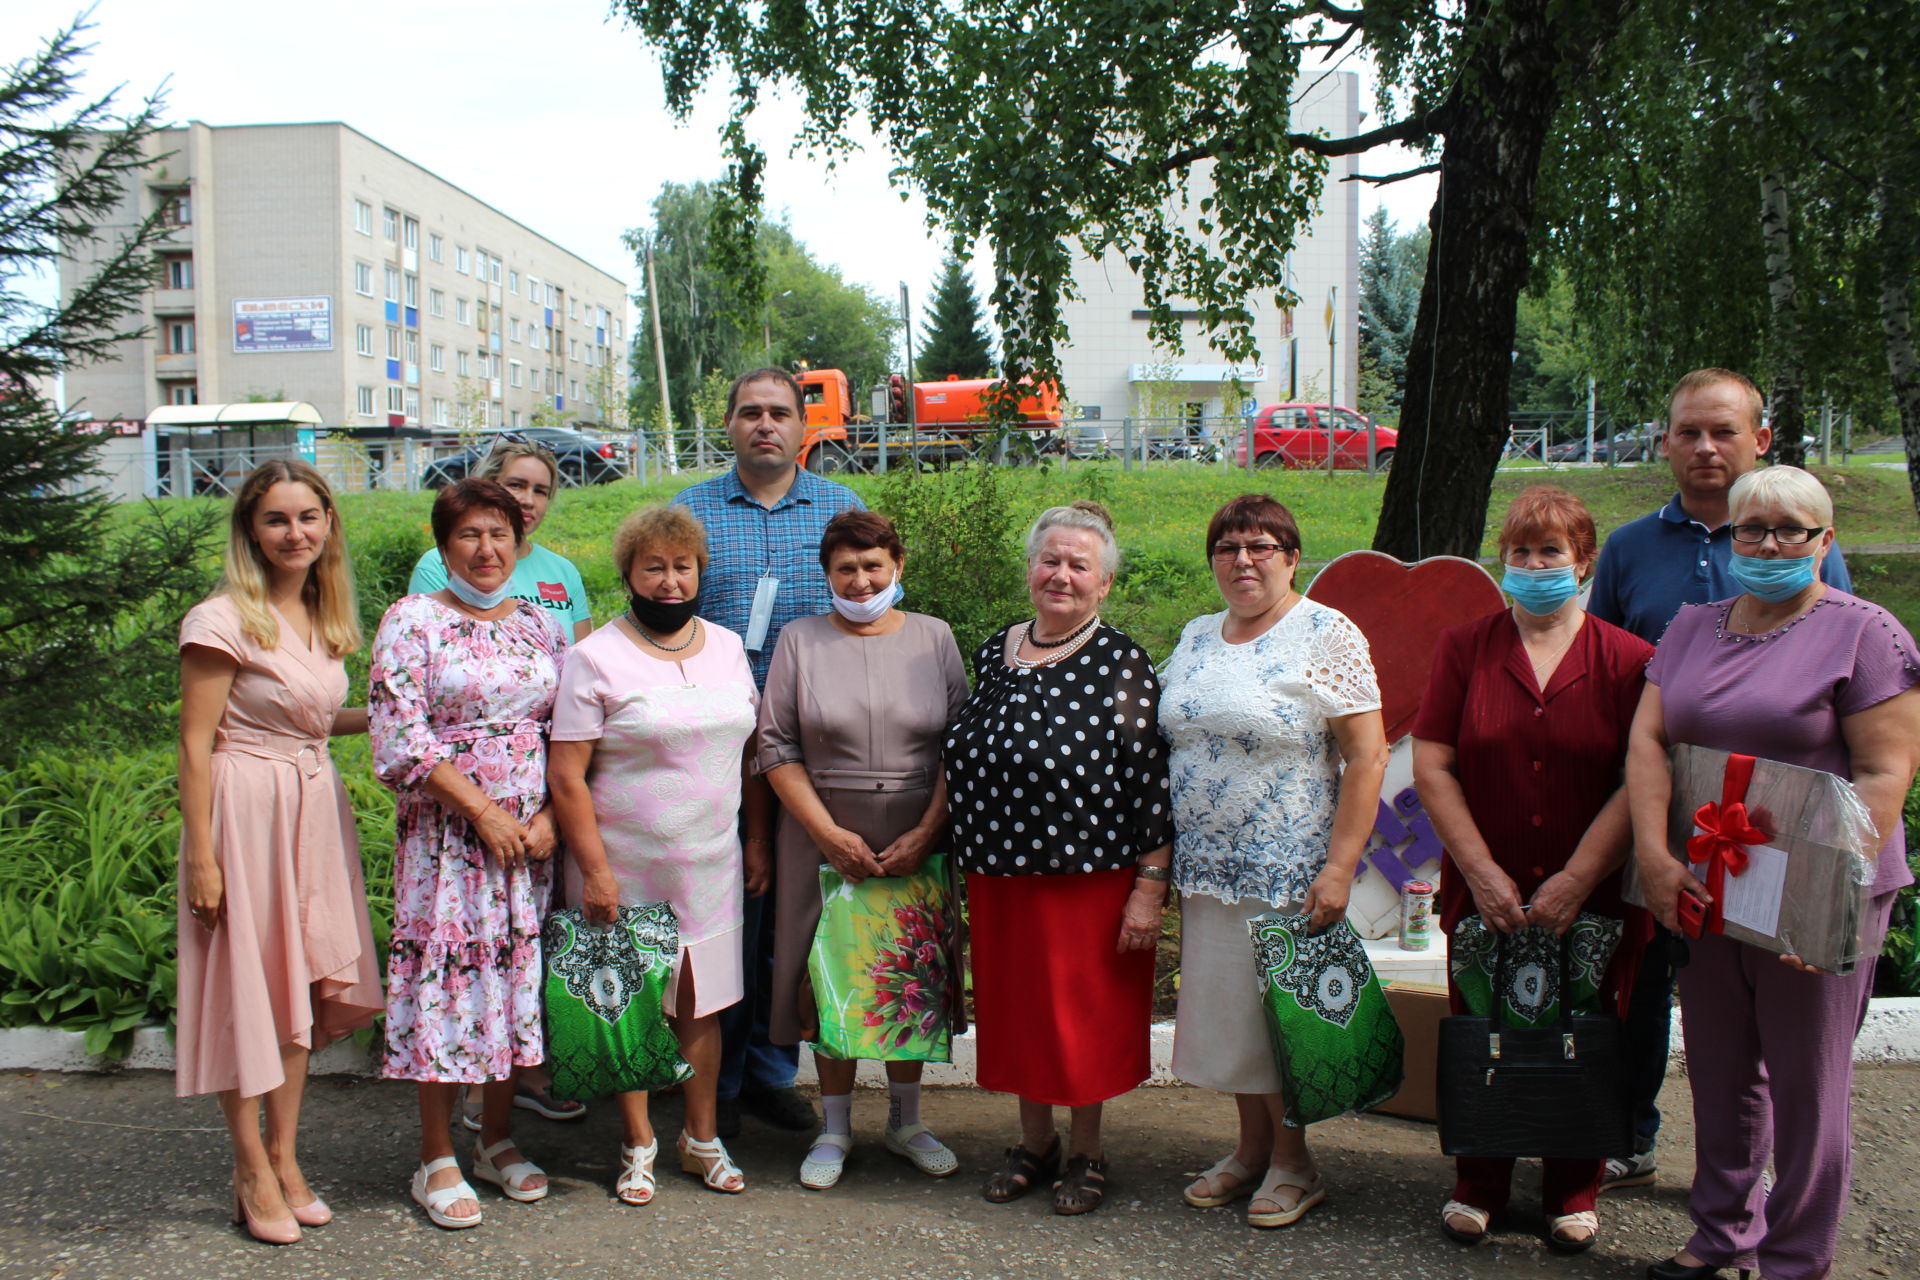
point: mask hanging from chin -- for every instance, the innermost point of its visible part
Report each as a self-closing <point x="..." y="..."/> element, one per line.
<point x="472" y="596"/>
<point x="873" y="608"/>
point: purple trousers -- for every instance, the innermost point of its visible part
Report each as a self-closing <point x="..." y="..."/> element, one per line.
<point x="1770" y="1060"/>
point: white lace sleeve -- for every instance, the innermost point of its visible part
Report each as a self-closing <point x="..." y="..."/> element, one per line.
<point x="1340" y="667"/>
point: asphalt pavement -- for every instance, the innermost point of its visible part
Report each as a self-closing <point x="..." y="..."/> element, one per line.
<point x="111" y="1177"/>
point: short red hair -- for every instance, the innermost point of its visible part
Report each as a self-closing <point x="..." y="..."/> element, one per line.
<point x="1548" y="509"/>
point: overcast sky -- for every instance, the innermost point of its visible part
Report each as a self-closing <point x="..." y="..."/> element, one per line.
<point x="550" y="112"/>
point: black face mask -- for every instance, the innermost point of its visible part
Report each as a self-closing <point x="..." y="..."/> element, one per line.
<point x="664" y="617"/>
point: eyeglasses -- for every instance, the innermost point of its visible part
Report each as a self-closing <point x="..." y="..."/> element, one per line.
<point x="1228" y="552"/>
<point x="1787" y="535"/>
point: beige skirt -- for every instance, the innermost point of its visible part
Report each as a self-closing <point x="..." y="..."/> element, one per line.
<point x="1220" y="1035"/>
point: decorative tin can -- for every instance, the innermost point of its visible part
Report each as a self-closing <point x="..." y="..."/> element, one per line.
<point x="1416" y="915"/>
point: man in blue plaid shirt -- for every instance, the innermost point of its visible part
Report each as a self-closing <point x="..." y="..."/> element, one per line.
<point x="763" y="519"/>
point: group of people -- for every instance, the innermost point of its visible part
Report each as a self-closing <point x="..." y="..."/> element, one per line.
<point x="764" y="713"/>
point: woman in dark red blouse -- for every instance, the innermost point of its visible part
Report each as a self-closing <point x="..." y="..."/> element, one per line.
<point x="1519" y="751"/>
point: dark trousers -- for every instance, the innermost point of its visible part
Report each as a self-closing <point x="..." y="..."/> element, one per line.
<point x="1648" y="1032"/>
<point x="748" y="1059"/>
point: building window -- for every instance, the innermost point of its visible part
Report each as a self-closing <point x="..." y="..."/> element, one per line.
<point x="533" y="291"/>
<point x="393" y="284"/>
<point x="396" y="399"/>
<point x="413" y="406"/>
<point x="413" y="289"/>
<point x="513" y="282"/>
<point x="513" y="329"/>
<point x="573" y="348"/>
<point x="439" y="411"/>
<point x="393" y="344"/>
<point x="180" y="339"/>
<point x="413" y="347"/>
<point x="183" y="393"/>
<point x="513" y="373"/>
<point x="436" y="302"/>
<point x="412" y="233"/>
<point x="573" y="390"/>
<point x="363" y="223"/>
<point x="460" y="259"/>
<point x="553" y="296"/>
<point x="363" y="279"/>
<point x="437" y="358"/>
<point x="462" y="364"/>
<point x="436" y="248"/>
<point x="390" y="224"/>
<point x="493" y="270"/>
<point x="616" y="329"/>
<point x="178" y="212"/>
<point x="516" y="417"/>
<point x="363" y="339"/>
<point x="463" y="311"/>
<point x="363" y="401"/>
<point x="179" y="274"/>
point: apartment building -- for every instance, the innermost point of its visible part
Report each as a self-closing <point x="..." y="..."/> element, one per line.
<point x="307" y="262"/>
<point x="1113" y="370"/>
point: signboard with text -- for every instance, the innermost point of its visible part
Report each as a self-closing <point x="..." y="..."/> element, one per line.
<point x="282" y="324"/>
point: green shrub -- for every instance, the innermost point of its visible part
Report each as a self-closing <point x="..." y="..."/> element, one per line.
<point x="964" y="562"/>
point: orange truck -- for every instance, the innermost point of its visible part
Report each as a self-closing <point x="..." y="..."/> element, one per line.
<point x="949" y="418"/>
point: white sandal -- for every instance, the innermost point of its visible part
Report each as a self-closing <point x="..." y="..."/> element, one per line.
<point x="1306" y="1181"/>
<point x="1585" y="1219"/>
<point x="1243" y="1184"/>
<point x="818" y="1175"/>
<point x="636" y="1185"/>
<point x="512" y="1179"/>
<point x="1479" y="1217"/>
<point x="694" y="1156"/>
<point x="936" y="1160"/>
<point x="435" y="1202"/>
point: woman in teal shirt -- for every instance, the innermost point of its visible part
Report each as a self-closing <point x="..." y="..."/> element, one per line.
<point x="529" y="472"/>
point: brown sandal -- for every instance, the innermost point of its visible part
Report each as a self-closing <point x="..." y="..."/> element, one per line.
<point x="1020" y="1171"/>
<point x="1083" y="1186"/>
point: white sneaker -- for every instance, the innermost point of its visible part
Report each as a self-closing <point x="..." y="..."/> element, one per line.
<point x="1629" y="1171"/>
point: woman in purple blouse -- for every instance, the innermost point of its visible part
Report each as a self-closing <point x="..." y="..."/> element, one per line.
<point x="1795" y="671"/>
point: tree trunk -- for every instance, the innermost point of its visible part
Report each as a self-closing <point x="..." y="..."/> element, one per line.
<point x="1899" y="234"/>
<point x="1788" y="400"/>
<point x="1453" y="422"/>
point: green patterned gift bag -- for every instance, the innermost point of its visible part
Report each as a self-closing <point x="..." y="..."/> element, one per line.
<point x="1532" y="997"/>
<point x="1333" y="1034"/>
<point x="880" y="967"/>
<point x="605" y="996"/>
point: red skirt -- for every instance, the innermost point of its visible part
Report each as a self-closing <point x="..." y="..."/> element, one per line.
<point x="1060" y="1017"/>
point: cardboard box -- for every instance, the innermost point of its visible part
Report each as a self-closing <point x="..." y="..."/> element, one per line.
<point x="1418" y="1007"/>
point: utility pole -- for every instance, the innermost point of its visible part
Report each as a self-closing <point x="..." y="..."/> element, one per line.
<point x="913" y="425"/>
<point x="660" y="362"/>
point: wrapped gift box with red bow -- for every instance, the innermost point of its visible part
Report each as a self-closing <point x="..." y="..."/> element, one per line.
<point x="1786" y="852"/>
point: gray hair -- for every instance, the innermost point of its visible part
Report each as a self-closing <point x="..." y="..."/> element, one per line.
<point x="1084" y="514"/>
<point x="1789" y="488"/>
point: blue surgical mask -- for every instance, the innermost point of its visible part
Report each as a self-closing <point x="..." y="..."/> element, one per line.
<point x="473" y="596"/>
<point x="1540" y="591"/>
<point x="1773" y="580"/>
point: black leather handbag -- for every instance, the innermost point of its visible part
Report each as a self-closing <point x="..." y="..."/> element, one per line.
<point x="1557" y="1090"/>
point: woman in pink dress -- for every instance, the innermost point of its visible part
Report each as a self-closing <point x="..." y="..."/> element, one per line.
<point x="462" y="690"/>
<point x="276" y="956"/>
<point x="650" y="736"/>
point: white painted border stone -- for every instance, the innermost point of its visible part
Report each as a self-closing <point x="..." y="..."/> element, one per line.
<point x="1891" y="1034"/>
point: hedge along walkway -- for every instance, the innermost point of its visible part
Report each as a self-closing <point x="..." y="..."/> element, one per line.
<point x="111" y="1177"/>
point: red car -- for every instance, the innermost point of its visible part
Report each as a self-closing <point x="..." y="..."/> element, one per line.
<point x="1295" y="435"/>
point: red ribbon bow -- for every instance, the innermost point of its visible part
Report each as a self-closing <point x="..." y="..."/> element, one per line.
<point x="1725" y="833"/>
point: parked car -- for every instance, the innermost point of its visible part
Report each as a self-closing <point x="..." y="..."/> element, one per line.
<point x="583" y="459"/>
<point x="1296" y="435"/>
<point x="1622" y="446"/>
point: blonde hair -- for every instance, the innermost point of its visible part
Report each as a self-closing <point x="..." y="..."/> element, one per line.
<point x="1083" y="513"/>
<point x="328" y="591"/>
<point x="1787" y="487"/>
<point x="505" y="451"/>
<point x="661" y="525"/>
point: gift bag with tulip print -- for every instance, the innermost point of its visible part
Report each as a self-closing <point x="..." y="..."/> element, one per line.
<point x="1333" y="1033"/>
<point x="605" y="996"/>
<point x="881" y="967"/>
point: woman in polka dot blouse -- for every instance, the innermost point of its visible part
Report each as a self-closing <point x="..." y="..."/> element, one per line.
<point x="1057" y="780"/>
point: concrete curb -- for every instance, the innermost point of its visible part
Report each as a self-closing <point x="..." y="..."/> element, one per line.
<point x="1891" y="1034"/>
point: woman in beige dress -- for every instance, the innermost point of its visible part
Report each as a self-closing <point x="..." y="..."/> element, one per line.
<point x="856" y="704"/>
<point x="276" y="956"/>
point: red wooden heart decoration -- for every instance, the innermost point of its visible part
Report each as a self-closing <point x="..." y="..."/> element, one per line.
<point x="1402" y="609"/>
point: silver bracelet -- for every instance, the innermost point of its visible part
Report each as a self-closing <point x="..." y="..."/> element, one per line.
<point x="1159" y="874"/>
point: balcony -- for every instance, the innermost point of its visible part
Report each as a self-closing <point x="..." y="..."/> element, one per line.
<point x="168" y="364"/>
<point x="172" y="301"/>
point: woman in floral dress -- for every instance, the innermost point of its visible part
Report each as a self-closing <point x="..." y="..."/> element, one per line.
<point x="1261" y="705"/>
<point x="463" y="683"/>
<point x="651" y="734"/>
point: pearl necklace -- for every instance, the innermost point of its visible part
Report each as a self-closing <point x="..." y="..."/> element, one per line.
<point x="1063" y="648"/>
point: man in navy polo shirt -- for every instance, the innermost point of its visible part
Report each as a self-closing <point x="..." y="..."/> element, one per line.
<point x="764" y="518"/>
<point x="1648" y="569"/>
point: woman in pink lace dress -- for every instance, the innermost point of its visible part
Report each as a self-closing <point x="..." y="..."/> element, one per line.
<point x="463" y="683"/>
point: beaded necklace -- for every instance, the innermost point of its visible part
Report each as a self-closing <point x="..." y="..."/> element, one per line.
<point x="676" y="648"/>
<point x="1057" y="649"/>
